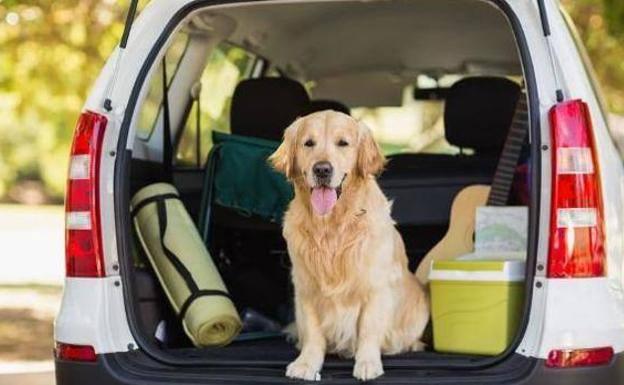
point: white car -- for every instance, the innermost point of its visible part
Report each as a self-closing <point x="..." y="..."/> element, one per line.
<point x="249" y="68"/>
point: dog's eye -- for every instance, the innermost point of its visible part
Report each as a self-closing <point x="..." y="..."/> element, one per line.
<point x="343" y="143"/>
<point x="309" y="143"/>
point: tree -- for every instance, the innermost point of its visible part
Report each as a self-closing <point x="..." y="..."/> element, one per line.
<point x="614" y="15"/>
<point x="600" y="25"/>
<point x="52" y="50"/>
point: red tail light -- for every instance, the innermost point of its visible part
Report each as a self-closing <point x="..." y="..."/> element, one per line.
<point x="74" y="352"/>
<point x="83" y="240"/>
<point x="579" y="357"/>
<point x="577" y="241"/>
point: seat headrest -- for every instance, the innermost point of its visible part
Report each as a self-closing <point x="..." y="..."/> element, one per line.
<point x="264" y="107"/>
<point x="326" y="104"/>
<point x="479" y="111"/>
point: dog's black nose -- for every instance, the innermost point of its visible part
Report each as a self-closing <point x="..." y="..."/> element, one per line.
<point x="323" y="170"/>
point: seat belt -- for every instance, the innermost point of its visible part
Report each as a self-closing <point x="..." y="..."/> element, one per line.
<point x="506" y="168"/>
<point x="195" y="97"/>
<point x="167" y="142"/>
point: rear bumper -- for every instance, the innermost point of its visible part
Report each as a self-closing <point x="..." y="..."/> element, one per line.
<point x="123" y="369"/>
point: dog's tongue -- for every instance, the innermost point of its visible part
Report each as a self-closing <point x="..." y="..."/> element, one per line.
<point x="323" y="199"/>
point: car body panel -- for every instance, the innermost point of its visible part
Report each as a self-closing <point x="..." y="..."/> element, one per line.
<point x="581" y="316"/>
<point x="93" y="313"/>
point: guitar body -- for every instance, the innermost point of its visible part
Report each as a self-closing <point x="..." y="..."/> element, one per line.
<point x="459" y="238"/>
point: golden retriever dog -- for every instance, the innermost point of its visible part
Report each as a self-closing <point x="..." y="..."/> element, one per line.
<point x="354" y="294"/>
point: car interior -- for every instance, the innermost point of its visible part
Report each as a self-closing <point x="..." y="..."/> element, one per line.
<point x="438" y="89"/>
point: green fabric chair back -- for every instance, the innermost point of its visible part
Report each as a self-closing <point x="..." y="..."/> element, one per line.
<point x="245" y="181"/>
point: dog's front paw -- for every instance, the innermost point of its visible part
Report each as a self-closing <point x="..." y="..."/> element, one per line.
<point x="301" y="369"/>
<point x="367" y="369"/>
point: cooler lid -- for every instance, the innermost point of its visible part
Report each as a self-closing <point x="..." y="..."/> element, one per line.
<point x="482" y="270"/>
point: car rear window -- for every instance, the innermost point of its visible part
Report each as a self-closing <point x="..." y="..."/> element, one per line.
<point x="417" y="126"/>
<point x="227" y="66"/>
<point x="153" y="101"/>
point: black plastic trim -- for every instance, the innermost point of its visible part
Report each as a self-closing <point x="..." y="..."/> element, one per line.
<point x="137" y="368"/>
<point x="129" y="21"/>
<point x="122" y="215"/>
<point x="544" y="17"/>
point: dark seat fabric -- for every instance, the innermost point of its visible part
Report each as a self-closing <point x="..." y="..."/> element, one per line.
<point x="478" y="113"/>
<point x="264" y="107"/>
<point x="423" y="199"/>
<point x="423" y="187"/>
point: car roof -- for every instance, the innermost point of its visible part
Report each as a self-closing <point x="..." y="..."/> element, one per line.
<point x="370" y="46"/>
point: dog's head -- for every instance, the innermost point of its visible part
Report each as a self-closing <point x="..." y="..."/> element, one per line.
<point x="324" y="151"/>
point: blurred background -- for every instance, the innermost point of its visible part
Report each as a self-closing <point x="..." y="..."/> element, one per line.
<point x="50" y="53"/>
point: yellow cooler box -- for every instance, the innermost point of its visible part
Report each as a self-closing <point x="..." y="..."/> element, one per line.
<point x="475" y="305"/>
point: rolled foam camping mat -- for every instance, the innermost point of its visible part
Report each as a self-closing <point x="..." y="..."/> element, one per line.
<point x="184" y="267"/>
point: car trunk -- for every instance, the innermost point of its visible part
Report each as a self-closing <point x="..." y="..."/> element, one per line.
<point x="251" y="255"/>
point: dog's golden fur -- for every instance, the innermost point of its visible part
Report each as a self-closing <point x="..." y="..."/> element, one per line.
<point x="354" y="294"/>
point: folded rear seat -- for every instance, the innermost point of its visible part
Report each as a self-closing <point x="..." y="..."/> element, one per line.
<point x="477" y="116"/>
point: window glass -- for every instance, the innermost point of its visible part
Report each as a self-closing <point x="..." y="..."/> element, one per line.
<point x="227" y="66"/>
<point x="153" y="101"/>
<point x="273" y="72"/>
<point x="417" y="126"/>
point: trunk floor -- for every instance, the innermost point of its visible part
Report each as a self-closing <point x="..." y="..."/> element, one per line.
<point x="278" y="351"/>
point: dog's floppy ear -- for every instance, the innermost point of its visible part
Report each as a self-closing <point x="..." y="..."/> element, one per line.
<point x="283" y="159"/>
<point x="370" y="160"/>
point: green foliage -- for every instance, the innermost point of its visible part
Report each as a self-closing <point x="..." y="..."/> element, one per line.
<point x="601" y="27"/>
<point x="52" y="50"/>
<point x="228" y="65"/>
<point x="614" y="15"/>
